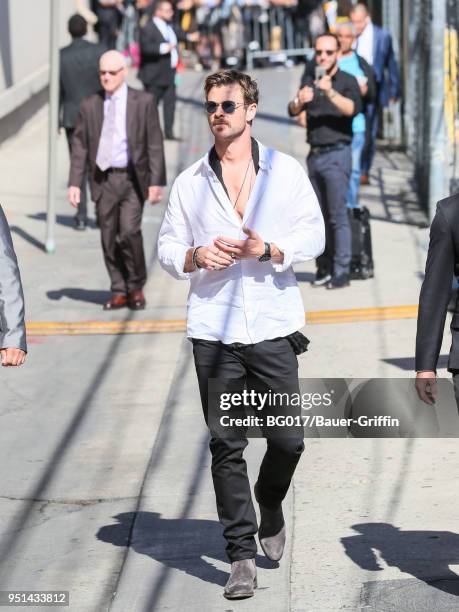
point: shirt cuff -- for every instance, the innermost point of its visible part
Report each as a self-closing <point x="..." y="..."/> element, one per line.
<point x="176" y="262"/>
<point x="288" y="257"/>
<point x="164" y="48"/>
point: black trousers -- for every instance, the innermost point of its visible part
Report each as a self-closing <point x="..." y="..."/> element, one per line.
<point x="330" y="174"/>
<point x="252" y="366"/>
<point x="82" y="211"/>
<point x="166" y="93"/>
<point x="371" y="133"/>
<point x="109" y="20"/>
<point x="119" y="213"/>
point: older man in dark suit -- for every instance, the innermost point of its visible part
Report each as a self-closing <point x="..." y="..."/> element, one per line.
<point x="79" y="78"/>
<point x="374" y="44"/>
<point x="442" y="264"/>
<point x="119" y="138"/>
<point x="13" y="345"/>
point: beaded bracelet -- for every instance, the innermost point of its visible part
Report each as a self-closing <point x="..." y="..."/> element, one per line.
<point x="193" y="258"/>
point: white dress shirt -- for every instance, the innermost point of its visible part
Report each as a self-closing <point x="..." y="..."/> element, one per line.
<point x="169" y="35"/>
<point x="365" y="42"/>
<point x="120" y="148"/>
<point x="249" y="301"/>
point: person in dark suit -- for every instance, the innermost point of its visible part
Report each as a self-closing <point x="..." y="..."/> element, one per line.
<point x="374" y="44"/>
<point x="442" y="262"/>
<point x="79" y="77"/>
<point x="13" y="345"/>
<point x="158" y="40"/>
<point x="119" y="138"/>
<point x="109" y="16"/>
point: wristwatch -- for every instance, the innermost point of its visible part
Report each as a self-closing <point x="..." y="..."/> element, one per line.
<point x="267" y="254"/>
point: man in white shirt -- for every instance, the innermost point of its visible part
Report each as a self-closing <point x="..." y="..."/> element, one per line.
<point x="158" y="39"/>
<point x="236" y="221"/>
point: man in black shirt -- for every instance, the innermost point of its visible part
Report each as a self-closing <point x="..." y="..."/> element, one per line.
<point x="331" y="98"/>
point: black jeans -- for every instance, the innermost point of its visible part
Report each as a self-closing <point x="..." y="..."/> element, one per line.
<point x="82" y="211"/>
<point x="330" y="174"/>
<point x="252" y="366"/>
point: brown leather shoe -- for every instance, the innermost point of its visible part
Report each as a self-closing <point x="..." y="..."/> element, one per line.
<point x="364" y="180"/>
<point x="136" y="300"/>
<point x="118" y="300"/>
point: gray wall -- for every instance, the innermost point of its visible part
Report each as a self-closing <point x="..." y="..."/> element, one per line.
<point x="24" y="57"/>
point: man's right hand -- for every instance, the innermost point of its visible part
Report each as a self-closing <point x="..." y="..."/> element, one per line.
<point x="212" y="258"/>
<point x="426" y="386"/>
<point x="73" y="195"/>
<point x="306" y="95"/>
<point x="208" y="258"/>
<point x="12" y="357"/>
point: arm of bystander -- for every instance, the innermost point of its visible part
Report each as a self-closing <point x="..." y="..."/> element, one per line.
<point x="13" y="344"/>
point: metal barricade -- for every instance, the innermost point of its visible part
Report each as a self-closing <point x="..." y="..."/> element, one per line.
<point x="271" y="33"/>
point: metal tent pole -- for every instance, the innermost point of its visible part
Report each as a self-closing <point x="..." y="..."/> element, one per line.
<point x="53" y="125"/>
<point x="438" y="161"/>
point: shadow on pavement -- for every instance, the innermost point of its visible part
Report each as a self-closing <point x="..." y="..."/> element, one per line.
<point x="15" y="534"/>
<point x="305" y="277"/>
<point x="176" y="543"/>
<point x="407" y="363"/>
<point x="93" y="296"/>
<point x="65" y="220"/>
<point x="426" y="555"/>
<point x="27" y="237"/>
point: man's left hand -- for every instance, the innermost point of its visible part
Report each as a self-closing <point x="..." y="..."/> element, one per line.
<point x="325" y="83"/>
<point x="251" y="248"/>
<point x="12" y="356"/>
<point x="155" y="194"/>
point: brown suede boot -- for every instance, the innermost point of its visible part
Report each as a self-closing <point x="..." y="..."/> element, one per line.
<point x="242" y="580"/>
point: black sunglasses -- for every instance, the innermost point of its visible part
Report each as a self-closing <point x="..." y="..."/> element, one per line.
<point x="327" y="51"/>
<point x="228" y="106"/>
<point x="112" y="72"/>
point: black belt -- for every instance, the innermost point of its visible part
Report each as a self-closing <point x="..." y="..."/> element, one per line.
<point x="320" y="150"/>
<point x="119" y="170"/>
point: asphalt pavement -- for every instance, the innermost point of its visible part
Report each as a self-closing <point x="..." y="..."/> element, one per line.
<point x="105" y="472"/>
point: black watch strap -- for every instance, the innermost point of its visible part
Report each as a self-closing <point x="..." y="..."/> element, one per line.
<point x="267" y="254"/>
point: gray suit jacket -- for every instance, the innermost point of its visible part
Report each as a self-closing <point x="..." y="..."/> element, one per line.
<point x="12" y="326"/>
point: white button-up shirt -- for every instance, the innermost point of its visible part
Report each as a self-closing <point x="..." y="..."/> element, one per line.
<point x="365" y="43"/>
<point x="249" y="301"/>
<point x="120" y="147"/>
<point x="169" y="35"/>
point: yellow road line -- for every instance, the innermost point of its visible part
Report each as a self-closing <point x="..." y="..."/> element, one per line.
<point x="355" y="315"/>
<point x="318" y="317"/>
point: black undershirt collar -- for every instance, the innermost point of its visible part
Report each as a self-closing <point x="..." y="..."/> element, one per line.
<point x="216" y="165"/>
